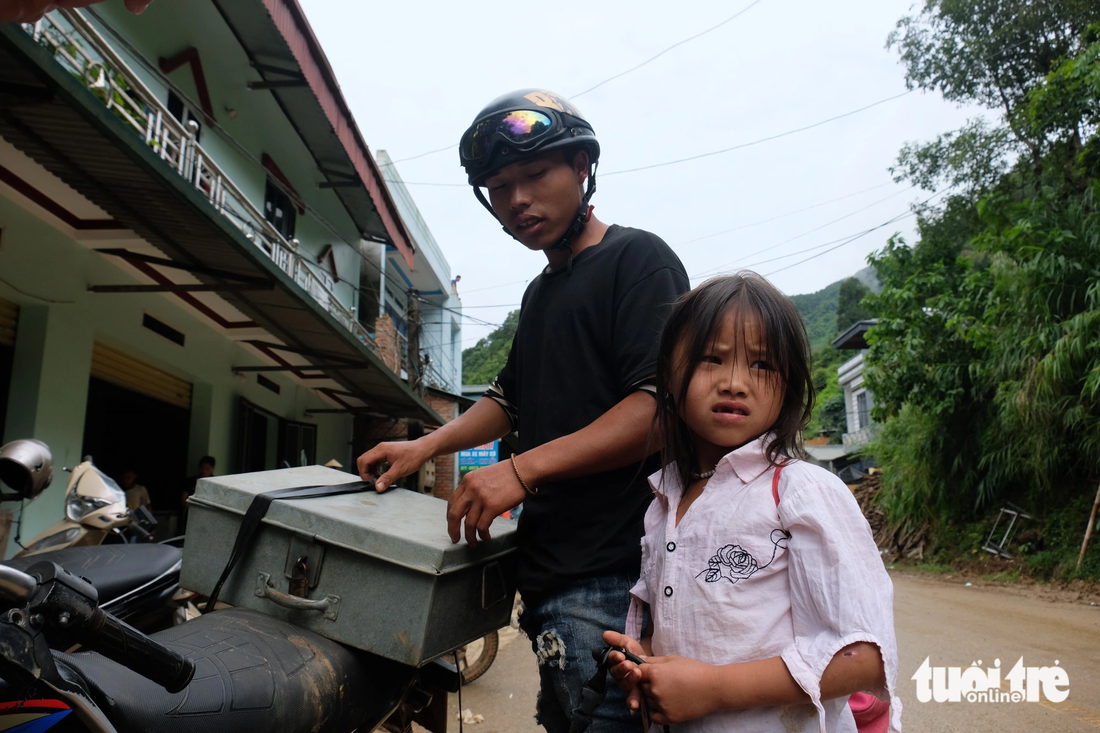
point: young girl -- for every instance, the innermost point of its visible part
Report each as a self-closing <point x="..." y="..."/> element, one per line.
<point x="767" y="601"/>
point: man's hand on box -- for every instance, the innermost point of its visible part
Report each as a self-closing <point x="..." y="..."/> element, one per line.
<point x="390" y="461"/>
<point x="482" y="496"/>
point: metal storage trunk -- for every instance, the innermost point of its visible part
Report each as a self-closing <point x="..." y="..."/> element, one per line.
<point x="373" y="571"/>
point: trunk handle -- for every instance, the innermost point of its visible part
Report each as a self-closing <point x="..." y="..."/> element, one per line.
<point x="327" y="605"/>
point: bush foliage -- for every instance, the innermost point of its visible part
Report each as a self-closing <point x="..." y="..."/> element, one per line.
<point x="985" y="363"/>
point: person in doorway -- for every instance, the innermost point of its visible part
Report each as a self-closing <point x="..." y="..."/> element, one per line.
<point x="577" y="387"/>
<point x="136" y="494"/>
<point x="763" y="602"/>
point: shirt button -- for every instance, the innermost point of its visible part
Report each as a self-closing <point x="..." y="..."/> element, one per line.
<point x="668" y="590"/>
<point x="671" y="546"/>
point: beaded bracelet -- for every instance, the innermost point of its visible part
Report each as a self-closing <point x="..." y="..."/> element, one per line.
<point x="522" y="483"/>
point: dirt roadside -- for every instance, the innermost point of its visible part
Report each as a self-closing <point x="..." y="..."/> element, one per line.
<point x="954" y="625"/>
<point x="937" y="617"/>
<point x="1077" y="591"/>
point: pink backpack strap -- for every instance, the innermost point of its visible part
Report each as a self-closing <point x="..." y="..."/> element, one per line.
<point x="775" y="483"/>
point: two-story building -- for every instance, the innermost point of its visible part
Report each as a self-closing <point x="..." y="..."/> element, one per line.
<point x="190" y="227"/>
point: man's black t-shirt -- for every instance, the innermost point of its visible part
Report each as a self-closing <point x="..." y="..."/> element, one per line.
<point x="587" y="338"/>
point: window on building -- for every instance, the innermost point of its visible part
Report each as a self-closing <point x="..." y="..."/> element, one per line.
<point x="299" y="443"/>
<point x="863" y="409"/>
<point x="266" y="441"/>
<point x="183" y="113"/>
<point x="279" y="210"/>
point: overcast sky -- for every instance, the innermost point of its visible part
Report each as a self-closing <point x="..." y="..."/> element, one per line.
<point x="416" y="74"/>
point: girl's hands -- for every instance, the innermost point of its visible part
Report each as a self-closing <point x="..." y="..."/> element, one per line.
<point x="624" y="672"/>
<point x="677" y="689"/>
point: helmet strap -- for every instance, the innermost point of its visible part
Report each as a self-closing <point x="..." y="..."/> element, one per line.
<point x="584" y="213"/>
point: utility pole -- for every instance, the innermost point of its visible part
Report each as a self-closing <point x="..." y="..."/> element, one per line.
<point x="412" y="365"/>
<point x="414" y="428"/>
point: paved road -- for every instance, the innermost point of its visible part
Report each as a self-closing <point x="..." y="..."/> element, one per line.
<point x="952" y="624"/>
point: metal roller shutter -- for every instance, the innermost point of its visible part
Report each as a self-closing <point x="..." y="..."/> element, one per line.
<point x="123" y="370"/>
<point x="9" y="317"/>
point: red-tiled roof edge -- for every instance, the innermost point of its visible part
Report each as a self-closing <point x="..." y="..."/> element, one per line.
<point x="295" y="29"/>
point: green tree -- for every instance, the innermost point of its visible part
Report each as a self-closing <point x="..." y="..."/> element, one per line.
<point x="483" y="361"/>
<point x="850" y="308"/>
<point x="985" y="362"/>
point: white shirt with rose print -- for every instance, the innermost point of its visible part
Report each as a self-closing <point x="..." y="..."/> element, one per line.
<point x="741" y="579"/>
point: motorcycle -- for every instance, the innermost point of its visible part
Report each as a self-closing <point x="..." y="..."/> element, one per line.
<point x="136" y="582"/>
<point x="235" y="667"/>
<point x="95" y="511"/>
<point x="238" y="669"/>
<point x="475" y="658"/>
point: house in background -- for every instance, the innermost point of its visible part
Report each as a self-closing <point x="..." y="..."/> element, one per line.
<point x="403" y="302"/>
<point x="858" y="400"/>
<point x="439" y="308"/>
<point x="187" y="211"/>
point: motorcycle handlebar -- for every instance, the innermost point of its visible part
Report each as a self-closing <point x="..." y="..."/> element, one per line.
<point x="143" y="534"/>
<point x="16" y="585"/>
<point x="132" y="649"/>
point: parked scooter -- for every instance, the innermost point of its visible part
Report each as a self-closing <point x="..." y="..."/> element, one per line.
<point x="136" y="582"/>
<point x="95" y="511"/>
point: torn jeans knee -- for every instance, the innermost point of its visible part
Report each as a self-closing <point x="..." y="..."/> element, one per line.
<point x="550" y="649"/>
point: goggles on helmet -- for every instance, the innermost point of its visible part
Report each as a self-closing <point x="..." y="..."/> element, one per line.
<point x="521" y="128"/>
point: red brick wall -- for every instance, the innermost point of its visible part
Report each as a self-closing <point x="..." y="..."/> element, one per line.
<point x="385" y="335"/>
<point x="445" y="464"/>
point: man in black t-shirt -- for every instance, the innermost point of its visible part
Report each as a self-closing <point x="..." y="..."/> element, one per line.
<point x="577" y="388"/>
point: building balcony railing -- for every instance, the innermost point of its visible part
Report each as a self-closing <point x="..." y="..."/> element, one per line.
<point x="860" y="437"/>
<point x="85" y="54"/>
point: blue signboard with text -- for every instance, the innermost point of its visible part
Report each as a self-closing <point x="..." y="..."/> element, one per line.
<point x="478" y="457"/>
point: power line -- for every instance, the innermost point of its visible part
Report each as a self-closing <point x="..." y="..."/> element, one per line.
<point x="761" y="140"/>
<point x="912" y="212"/>
<point x="736" y="15"/>
<point x="784" y="215"/>
<point x="772" y="247"/>
<point x="475" y="319"/>
<point x="838" y="242"/>
<point x="730" y="149"/>
<point x="425" y="183"/>
<point x="430" y="152"/>
<point x="596" y="86"/>
<point x="861" y="235"/>
<point x="494" y="287"/>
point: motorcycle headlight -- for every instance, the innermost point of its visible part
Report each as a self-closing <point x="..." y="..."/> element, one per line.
<point x="78" y="507"/>
<point x="99" y="490"/>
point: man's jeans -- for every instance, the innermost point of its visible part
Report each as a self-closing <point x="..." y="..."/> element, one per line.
<point x="564" y="630"/>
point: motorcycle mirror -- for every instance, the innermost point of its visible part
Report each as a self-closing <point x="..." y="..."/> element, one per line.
<point x="26" y="466"/>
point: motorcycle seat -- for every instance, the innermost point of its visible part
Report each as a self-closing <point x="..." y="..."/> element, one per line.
<point x="252" y="673"/>
<point x="113" y="569"/>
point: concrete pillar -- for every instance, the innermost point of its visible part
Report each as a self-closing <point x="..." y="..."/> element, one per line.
<point x="198" y="440"/>
<point x="49" y="397"/>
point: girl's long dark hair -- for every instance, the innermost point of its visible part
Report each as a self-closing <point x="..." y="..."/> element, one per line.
<point x="687" y="336"/>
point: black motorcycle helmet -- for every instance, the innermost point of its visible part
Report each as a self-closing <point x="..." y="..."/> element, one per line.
<point x="522" y="124"/>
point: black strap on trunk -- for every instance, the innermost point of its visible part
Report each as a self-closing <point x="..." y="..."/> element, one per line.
<point x="256" y="511"/>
